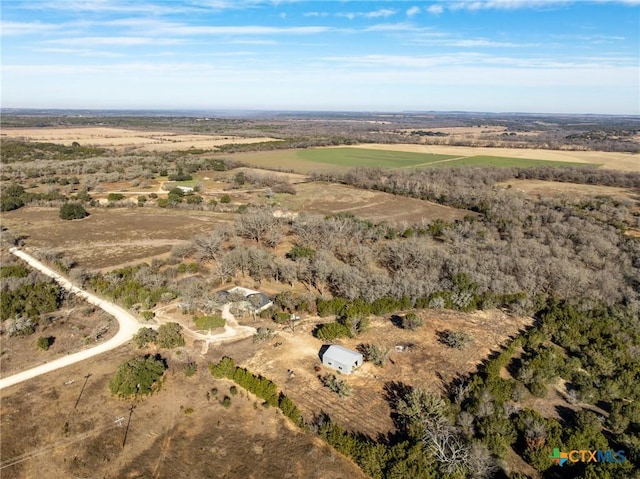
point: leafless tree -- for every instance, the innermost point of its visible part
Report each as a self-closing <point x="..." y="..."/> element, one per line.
<point x="257" y="225"/>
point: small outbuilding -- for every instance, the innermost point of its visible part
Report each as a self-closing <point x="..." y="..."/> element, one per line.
<point x="342" y="359"/>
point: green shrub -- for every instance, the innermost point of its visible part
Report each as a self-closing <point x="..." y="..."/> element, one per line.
<point x="44" y="342"/>
<point x="145" y="336"/>
<point x="137" y="376"/>
<point x="411" y="321"/>
<point x="331" y="331"/>
<point x="72" y="211"/>
<point x="298" y="252"/>
<point x="338" y="386"/>
<point x="190" y="369"/>
<point x="170" y="335"/>
<point x="12" y="197"/>
<point x="376" y="354"/>
<point x="281" y="317"/>
<point x="225" y="199"/>
<point x="455" y="339"/>
<point x="115" y="197"/>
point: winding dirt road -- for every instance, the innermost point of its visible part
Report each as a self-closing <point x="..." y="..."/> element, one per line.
<point x="128" y="326"/>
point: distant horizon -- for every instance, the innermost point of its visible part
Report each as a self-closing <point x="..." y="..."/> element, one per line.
<point x="250" y="111"/>
<point x="537" y="56"/>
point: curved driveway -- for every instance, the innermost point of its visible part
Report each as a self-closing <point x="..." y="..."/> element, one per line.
<point x="128" y="324"/>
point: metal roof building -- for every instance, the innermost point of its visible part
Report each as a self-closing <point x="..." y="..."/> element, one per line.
<point x="342" y="359"/>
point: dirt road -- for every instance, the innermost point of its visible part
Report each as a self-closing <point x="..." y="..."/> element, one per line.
<point x="128" y="324"/>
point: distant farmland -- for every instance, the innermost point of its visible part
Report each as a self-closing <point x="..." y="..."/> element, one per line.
<point x="323" y="159"/>
<point x="505" y="162"/>
<point x="352" y="157"/>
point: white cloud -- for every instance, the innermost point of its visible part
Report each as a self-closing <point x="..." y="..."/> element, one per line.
<point x="390" y="27"/>
<point x="84" y="52"/>
<point x="435" y="9"/>
<point x="26" y="28"/>
<point x="413" y="11"/>
<point x="382" y="13"/>
<point x="116" y="41"/>
<point x="244" y="30"/>
<point x="517" y="4"/>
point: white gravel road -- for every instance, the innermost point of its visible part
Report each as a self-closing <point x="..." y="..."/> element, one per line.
<point x="129" y="325"/>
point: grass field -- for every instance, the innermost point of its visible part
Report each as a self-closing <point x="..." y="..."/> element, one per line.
<point x="353" y="157"/>
<point x="343" y="158"/>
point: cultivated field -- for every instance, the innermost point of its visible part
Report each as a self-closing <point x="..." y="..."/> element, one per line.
<point x="127" y="139"/>
<point x="177" y="432"/>
<point x="423" y="156"/>
<point x="426" y="362"/>
<point x="609" y="160"/>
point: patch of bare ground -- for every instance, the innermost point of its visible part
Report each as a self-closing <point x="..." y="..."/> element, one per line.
<point x="514" y="462"/>
<point x="424" y="361"/>
<point x="72" y="328"/>
<point x="110" y="236"/>
<point x="325" y="198"/>
<point x="181" y="431"/>
<point x="555" y="189"/>
<point x="608" y="160"/>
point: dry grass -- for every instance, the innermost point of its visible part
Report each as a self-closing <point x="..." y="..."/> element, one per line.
<point x="45" y="436"/>
<point x="121" y="138"/>
<point x="323" y="198"/>
<point x="554" y="189"/>
<point x="427" y="363"/>
<point x="110" y="237"/>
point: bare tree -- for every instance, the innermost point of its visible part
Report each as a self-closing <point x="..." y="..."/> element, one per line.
<point x="257" y="225"/>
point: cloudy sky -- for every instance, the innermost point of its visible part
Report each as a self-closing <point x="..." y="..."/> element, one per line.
<point x="556" y="56"/>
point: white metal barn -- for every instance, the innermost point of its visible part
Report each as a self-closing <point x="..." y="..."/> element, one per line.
<point x="342" y="359"/>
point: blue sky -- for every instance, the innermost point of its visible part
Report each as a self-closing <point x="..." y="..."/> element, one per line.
<point x="554" y="56"/>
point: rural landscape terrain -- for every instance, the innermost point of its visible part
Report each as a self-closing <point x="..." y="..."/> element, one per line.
<point x="486" y="266"/>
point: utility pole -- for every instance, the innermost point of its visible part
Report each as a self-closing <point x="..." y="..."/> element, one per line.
<point x="86" y="378"/>
<point x="126" y="431"/>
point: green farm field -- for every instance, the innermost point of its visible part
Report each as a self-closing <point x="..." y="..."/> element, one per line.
<point x="324" y="159"/>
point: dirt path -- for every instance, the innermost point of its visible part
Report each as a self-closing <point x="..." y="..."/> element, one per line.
<point x="232" y="330"/>
<point x="129" y="325"/>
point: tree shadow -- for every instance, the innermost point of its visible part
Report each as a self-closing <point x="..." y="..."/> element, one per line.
<point x="566" y="414"/>
<point x="396" y="320"/>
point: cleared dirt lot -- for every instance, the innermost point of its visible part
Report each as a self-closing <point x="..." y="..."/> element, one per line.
<point x="426" y="363"/>
<point x="110" y="237"/>
<point x="177" y="432"/>
<point x="614" y="161"/>
<point x="121" y="138"/>
<point x="323" y="198"/>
